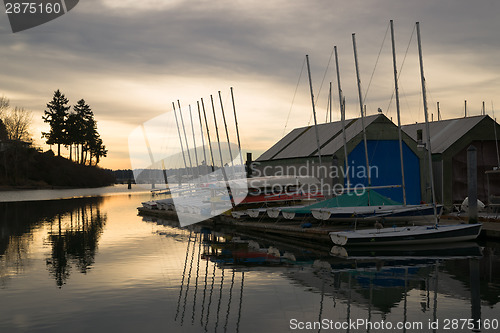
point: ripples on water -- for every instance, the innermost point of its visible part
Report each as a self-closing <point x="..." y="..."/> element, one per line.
<point x="93" y="264"/>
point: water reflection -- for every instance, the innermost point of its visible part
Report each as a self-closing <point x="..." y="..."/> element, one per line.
<point x="74" y="227"/>
<point x="202" y="246"/>
<point x="407" y="286"/>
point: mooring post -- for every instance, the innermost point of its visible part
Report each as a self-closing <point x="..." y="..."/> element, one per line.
<point x="249" y="165"/>
<point x="472" y="183"/>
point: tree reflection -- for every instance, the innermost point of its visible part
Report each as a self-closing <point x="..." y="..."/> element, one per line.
<point x="74" y="241"/>
<point x="75" y="226"/>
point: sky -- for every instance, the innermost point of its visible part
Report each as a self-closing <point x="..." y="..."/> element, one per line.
<point x="131" y="59"/>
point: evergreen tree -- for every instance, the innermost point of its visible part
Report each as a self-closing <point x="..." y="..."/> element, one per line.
<point x="90" y="136"/>
<point x="97" y="150"/>
<point x="78" y="128"/>
<point x="56" y="115"/>
<point x="78" y="123"/>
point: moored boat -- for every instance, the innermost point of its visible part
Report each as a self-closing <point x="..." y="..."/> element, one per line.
<point x="433" y="251"/>
<point x="398" y="213"/>
<point x="407" y="235"/>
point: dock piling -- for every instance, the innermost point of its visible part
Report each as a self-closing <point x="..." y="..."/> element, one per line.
<point x="472" y="183"/>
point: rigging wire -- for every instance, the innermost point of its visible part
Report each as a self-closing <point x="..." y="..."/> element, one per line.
<point x="293" y="99"/>
<point x="495" y="129"/>
<point x="328" y="105"/>
<point x="376" y="63"/>
<point x="402" y="65"/>
<point x="324" y="76"/>
<point x="321" y="85"/>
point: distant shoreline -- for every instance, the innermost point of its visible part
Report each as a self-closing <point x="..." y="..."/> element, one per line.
<point x="4" y="188"/>
<point x="56" y="193"/>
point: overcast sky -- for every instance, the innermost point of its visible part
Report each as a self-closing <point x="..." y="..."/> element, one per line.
<point x="131" y="59"/>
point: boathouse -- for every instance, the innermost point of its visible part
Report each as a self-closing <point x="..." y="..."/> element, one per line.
<point x="297" y="154"/>
<point x="449" y="142"/>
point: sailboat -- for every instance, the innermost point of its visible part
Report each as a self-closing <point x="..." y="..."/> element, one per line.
<point x="420" y="234"/>
<point x="370" y="206"/>
<point x="413" y="234"/>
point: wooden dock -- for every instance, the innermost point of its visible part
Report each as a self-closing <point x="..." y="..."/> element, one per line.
<point x="318" y="232"/>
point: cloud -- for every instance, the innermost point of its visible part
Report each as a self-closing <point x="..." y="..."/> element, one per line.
<point x="131" y="59"/>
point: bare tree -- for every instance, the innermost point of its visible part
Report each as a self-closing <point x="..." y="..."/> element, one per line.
<point x="4" y="105"/>
<point x="18" y="122"/>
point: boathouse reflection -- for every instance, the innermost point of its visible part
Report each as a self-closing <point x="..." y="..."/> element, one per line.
<point x="367" y="284"/>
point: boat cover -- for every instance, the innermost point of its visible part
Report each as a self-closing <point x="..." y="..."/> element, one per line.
<point x="351" y="199"/>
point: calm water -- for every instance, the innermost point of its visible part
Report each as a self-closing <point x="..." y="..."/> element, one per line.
<point x="92" y="264"/>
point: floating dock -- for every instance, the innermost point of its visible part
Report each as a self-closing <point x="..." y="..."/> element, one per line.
<point x="318" y="232"/>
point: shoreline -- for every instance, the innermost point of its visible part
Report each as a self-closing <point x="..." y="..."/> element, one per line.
<point x="16" y="188"/>
<point x="18" y="195"/>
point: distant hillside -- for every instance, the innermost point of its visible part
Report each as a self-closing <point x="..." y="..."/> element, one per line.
<point x="21" y="166"/>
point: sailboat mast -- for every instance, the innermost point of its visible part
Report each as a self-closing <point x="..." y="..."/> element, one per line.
<point x="180" y="137"/>
<point x="342" y="117"/>
<point x="495" y="131"/>
<point x="360" y="97"/>
<point x="227" y="133"/>
<point x="223" y="170"/>
<point x="314" y="110"/>
<point x="399" y="113"/>
<point x="424" y="96"/>
<point x="330" y="100"/>
<point x="185" y="135"/>
<point x="496" y="140"/>
<point x="208" y="135"/>
<point x="202" y="137"/>
<point x="194" y="141"/>
<point x="236" y="124"/>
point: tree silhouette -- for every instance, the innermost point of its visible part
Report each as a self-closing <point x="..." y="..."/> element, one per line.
<point x="72" y="131"/>
<point x="3" y="131"/>
<point x="17" y="122"/>
<point x="78" y="128"/>
<point x="97" y="150"/>
<point x="81" y="123"/>
<point x="56" y="115"/>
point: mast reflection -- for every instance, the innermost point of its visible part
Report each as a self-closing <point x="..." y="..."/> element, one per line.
<point x="352" y="283"/>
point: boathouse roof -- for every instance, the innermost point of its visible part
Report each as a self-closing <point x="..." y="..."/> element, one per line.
<point x="301" y="142"/>
<point x="444" y="133"/>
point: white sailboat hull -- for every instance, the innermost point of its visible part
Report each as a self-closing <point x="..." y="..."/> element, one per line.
<point x="407" y="235"/>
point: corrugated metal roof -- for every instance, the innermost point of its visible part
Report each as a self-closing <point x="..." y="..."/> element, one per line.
<point x="280" y="145"/>
<point x="301" y="142"/>
<point x="353" y="128"/>
<point x="444" y="133"/>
